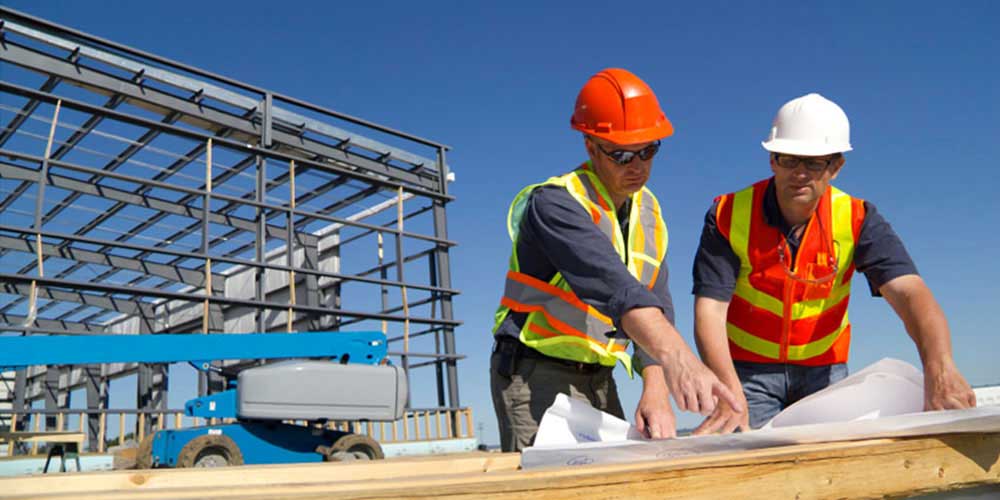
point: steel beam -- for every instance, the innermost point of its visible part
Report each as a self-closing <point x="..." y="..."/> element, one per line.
<point x="199" y="115"/>
<point x="19" y="283"/>
<point x="50" y="325"/>
<point x="177" y="274"/>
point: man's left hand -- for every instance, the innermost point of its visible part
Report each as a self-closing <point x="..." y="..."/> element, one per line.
<point x="654" y="417"/>
<point x="945" y="388"/>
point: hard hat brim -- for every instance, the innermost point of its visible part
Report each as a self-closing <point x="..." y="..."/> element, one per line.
<point x="625" y="138"/>
<point x="803" y="148"/>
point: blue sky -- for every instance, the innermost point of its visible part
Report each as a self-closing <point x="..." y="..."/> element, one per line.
<point x="497" y="82"/>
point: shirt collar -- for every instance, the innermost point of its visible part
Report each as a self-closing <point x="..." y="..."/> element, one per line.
<point x="772" y="212"/>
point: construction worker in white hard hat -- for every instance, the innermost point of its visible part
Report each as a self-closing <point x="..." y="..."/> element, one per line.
<point x="588" y="274"/>
<point x="772" y="278"/>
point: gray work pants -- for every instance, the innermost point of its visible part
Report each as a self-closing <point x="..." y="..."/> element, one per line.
<point x="521" y="399"/>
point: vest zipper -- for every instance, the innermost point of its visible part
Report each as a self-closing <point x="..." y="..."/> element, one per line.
<point x="786" y="308"/>
<point x="788" y="289"/>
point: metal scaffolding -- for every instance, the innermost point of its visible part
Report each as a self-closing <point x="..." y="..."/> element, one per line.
<point x="139" y="195"/>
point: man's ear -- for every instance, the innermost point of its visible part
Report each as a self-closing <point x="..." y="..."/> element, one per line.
<point x="837" y="165"/>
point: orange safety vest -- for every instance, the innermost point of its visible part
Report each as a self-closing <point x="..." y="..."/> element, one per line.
<point x="785" y="313"/>
<point x="559" y="324"/>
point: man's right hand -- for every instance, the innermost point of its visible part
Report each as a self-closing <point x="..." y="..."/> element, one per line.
<point x="725" y="419"/>
<point x="694" y="387"/>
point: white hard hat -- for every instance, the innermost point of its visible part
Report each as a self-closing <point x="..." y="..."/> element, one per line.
<point x="811" y="125"/>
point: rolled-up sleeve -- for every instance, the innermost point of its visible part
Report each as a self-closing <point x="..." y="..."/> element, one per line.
<point x="880" y="254"/>
<point x="716" y="266"/>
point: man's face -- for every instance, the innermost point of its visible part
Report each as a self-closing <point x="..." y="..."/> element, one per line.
<point x="621" y="180"/>
<point x="802" y="180"/>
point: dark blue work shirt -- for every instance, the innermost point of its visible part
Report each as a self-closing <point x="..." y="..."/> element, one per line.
<point x="558" y="235"/>
<point x="878" y="253"/>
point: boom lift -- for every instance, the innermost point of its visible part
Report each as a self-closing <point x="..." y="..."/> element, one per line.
<point x="353" y="382"/>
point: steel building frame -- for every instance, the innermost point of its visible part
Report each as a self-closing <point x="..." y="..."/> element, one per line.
<point x="142" y="195"/>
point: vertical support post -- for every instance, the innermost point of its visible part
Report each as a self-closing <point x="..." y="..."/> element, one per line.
<point x="12" y="445"/>
<point x="38" y="428"/>
<point x="444" y="280"/>
<point x="427" y="425"/>
<point x="266" y="112"/>
<point x="50" y="390"/>
<point x="150" y="377"/>
<point x="435" y="298"/>
<point x="205" y="208"/>
<point x="102" y="430"/>
<point x="97" y="399"/>
<point x="20" y="388"/>
<point x="468" y="423"/>
<point x="334" y="301"/>
<point x="400" y="277"/>
<point x="289" y="245"/>
<point x="208" y="382"/>
<point x="121" y="429"/>
<point x="260" y="241"/>
<point x="383" y="291"/>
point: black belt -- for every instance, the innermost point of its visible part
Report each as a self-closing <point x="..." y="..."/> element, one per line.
<point x="517" y="350"/>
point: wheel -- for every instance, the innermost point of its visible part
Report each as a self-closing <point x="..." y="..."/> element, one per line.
<point x="351" y="447"/>
<point x="210" y="451"/>
<point x="144" y="455"/>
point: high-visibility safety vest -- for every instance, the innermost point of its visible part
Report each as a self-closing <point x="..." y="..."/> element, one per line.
<point x="783" y="312"/>
<point x="559" y="324"/>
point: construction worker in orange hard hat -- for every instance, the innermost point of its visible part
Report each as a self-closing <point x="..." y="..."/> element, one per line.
<point x="773" y="272"/>
<point x="588" y="274"/>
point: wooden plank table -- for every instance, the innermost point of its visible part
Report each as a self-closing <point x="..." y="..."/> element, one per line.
<point x="66" y="444"/>
<point x="858" y="469"/>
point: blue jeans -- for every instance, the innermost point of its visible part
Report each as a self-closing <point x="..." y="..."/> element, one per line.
<point x="772" y="387"/>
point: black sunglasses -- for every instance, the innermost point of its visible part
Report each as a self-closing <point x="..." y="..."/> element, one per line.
<point x="624" y="156"/>
<point x="811" y="164"/>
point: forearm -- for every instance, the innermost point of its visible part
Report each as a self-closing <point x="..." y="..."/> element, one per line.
<point x="711" y="339"/>
<point x="647" y="327"/>
<point x="922" y="317"/>
<point x="653" y="381"/>
<point x="944" y="385"/>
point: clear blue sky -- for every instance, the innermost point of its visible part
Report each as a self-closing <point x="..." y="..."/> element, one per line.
<point x="497" y="82"/>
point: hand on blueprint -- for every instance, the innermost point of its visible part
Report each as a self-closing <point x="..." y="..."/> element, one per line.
<point x="945" y="388"/>
<point x="654" y="417"/>
<point x="694" y="387"/>
<point x="724" y="419"/>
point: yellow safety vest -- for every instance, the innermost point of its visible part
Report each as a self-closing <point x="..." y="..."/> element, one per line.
<point x="559" y="324"/>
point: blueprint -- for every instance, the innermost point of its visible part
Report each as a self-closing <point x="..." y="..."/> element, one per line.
<point x="882" y="400"/>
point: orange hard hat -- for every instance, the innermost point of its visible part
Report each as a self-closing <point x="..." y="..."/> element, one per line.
<point x="618" y="106"/>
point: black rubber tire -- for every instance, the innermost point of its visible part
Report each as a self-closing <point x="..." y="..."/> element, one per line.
<point x="354" y="447"/>
<point x="144" y="455"/>
<point x="202" y="447"/>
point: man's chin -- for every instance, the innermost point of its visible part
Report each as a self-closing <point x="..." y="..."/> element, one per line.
<point x="633" y="187"/>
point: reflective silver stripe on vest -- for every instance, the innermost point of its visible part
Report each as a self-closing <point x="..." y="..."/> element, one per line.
<point x="648" y="218"/>
<point x="606" y="225"/>
<point x="567" y="313"/>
